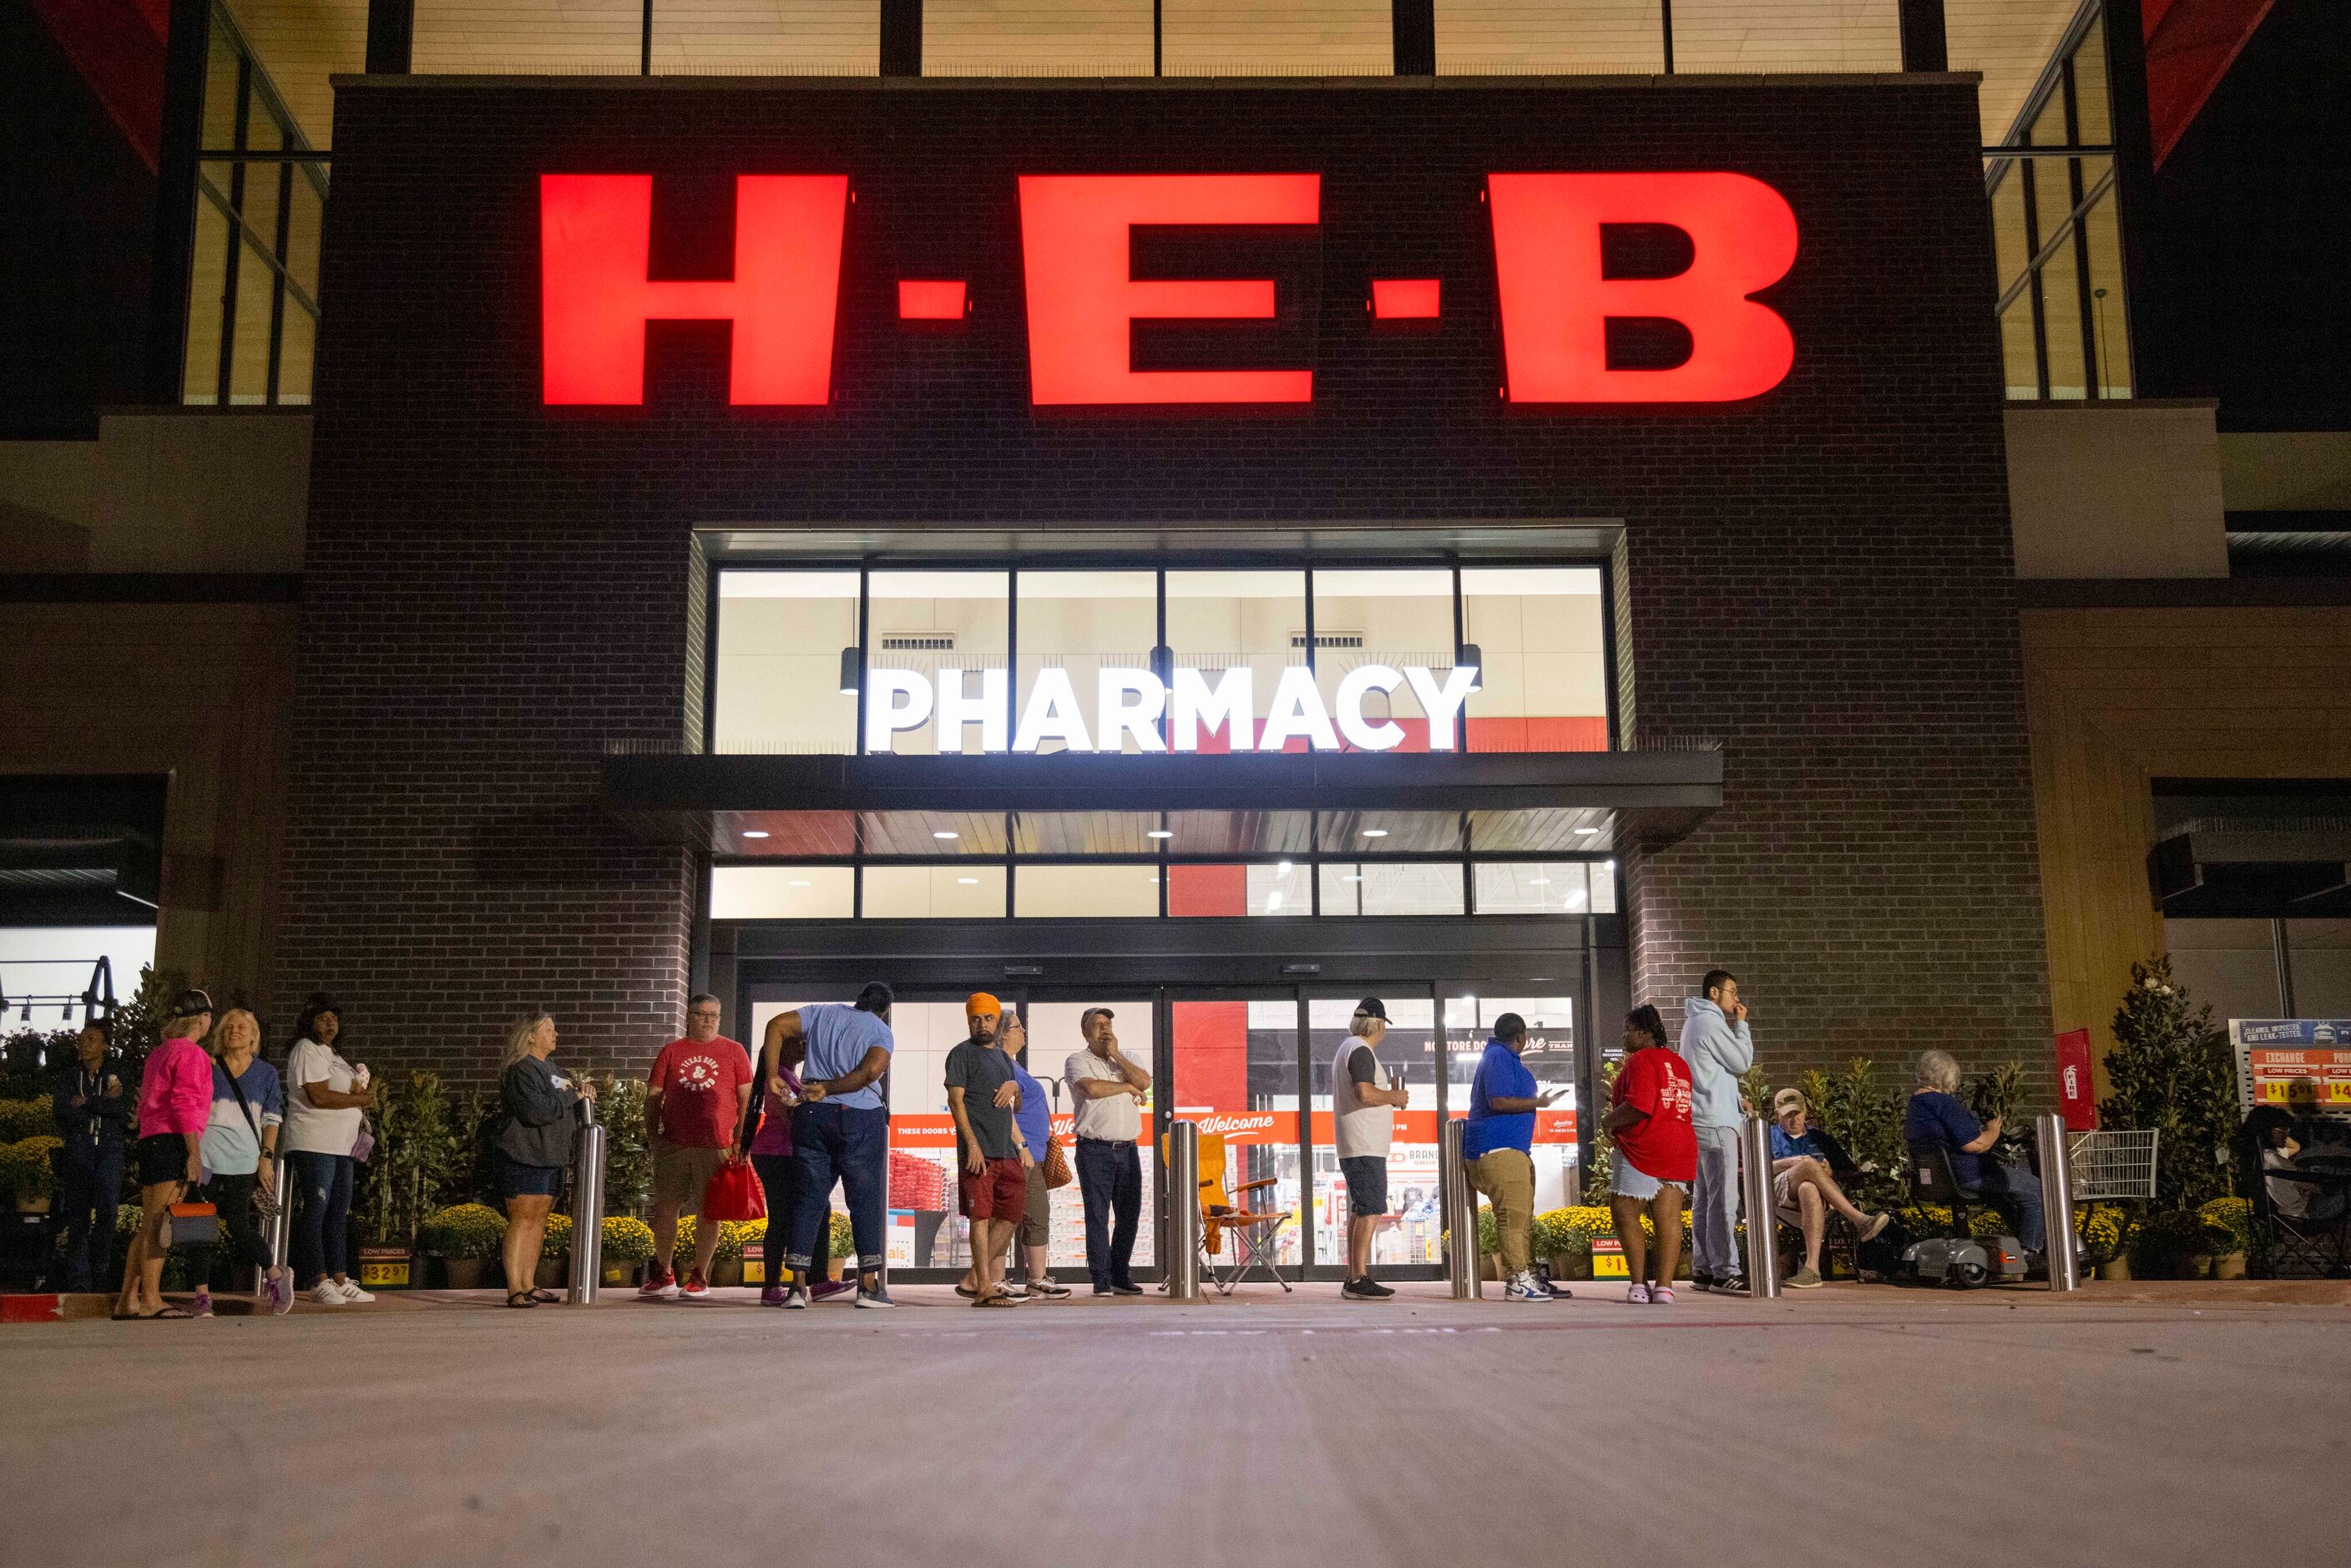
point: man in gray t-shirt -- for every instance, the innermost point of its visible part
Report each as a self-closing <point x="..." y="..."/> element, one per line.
<point x="993" y="1189"/>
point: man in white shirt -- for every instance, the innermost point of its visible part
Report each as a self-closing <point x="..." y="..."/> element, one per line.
<point x="1108" y="1090"/>
<point x="1364" y="1102"/>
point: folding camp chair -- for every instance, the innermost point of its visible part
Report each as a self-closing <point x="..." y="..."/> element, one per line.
<point x="2283" y="1244"/>
<point x="1253" y="1234"/>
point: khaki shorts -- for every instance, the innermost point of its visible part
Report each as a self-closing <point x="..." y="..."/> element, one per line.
<point x="682" y="1174"/>
<point x="1037" y="1215"/>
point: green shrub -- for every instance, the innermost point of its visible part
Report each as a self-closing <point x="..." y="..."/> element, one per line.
<point x="419" y="1146"/>
<point x="464" y="1231"/>
<point x="2228" y="1221"/>
<point x="2170" y="1071"/>
<point x="24" y="1166"/>
<point x="22" y="1119"/>
<point x="628" y="1159"/>
<point x="2164" y="1245"/>
<point x="627" y="1240"/>
<point x="843" y="1237"/>
<point x="1867" y="1120"/>
<point x="2104" y="1230"/>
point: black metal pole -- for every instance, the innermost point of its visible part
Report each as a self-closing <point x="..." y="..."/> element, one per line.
<point x="645" y="43"/>
<point x="1925" y="46"/>
<point x="902" y="37"/>
<point x="2134" y="143"/>
<point x="186" y="51"/>
<point x="1414" y="24"/>
<point x="391" y="36"/>
<point x="1666" y="25"/>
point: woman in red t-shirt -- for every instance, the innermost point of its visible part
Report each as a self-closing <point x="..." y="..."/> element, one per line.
<point x="1656" y="1153"/>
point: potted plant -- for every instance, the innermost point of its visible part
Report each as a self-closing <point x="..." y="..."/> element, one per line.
<point x="628" y="1241"/>
<point x="26" y="1171"/>
<point x="2098" y="1232"/>
<point x="2171" y="1246"/>
<point x="465" y="1237"/>
<point x="843" y="1241"/>
<point x="1564" y="1236"/>
<point x="2229" y="1222"/>
<point x="555" y="1254"/>
<point x="22" y="1119"/>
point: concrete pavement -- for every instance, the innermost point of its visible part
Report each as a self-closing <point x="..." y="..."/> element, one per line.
<point x="1860" y="1425"/>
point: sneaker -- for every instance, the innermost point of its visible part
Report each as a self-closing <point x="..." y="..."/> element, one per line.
<point x="1701" y="1281"/>
<point x="325" y="1295"/>
<point x="1365" y="1289"/>
<point x="796" y="1298"/>
<point x="696" y="1288"/>
<point x="773" y="1296"/>
<point x="825" y="1290"/>
<point x="1046" y="1291"/>
<point x="1637" y="1295"/>
<point x="661" y="1287"/>
<point x="993" y="1298"/>
<point x="202" y="1307"/>
<point x="1661" y="1295"/>
<point x="1729" y="1285"/>
<point x="1804" y="1279"/>
<point x="878" y="1296"/>
<point x="1014" y="1289"/>
<point x="1877" y="1223"/>
<point x="1123" y="1288"/>
<point x="1525" y="1287"/>
<point x="279" y="1289"/>
<point x="353" y="1293"/>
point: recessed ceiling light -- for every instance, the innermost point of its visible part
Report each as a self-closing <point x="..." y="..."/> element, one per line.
<point x="1586" y="832"/>
<point x="1538" y="881"/>
<point x="1159" y="833"/>
<point x="967" y="882"/>
<point x="947" y="833"/>
<point x="1154" y="879"/>
<point x="755" y="832"/>
<point x="799" y="882"/>
<point x="1375" y="833"/>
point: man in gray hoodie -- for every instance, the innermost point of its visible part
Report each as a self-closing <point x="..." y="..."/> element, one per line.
<point x="1716" y="1044"/>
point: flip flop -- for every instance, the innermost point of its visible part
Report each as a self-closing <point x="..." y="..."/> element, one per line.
<point x="521" y="1299"/>
<point x="151" y="1317"/>
<point x="545" y="1297"/>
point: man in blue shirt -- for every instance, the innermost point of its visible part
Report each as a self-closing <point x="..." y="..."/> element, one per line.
<point x="1497" y="1146"/>
<point x="1938" y="1119"/>
<point x="841" y="1129"/>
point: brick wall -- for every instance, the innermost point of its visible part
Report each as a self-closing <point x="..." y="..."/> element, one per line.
<point x="1820" y="578"/>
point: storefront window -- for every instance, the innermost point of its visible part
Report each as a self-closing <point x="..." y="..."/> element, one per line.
<point x="1078" y="624"/>
<point x="939" y="649"/>
<point x="1085" y="891"/>
<point x="1542" y="887"/>
<point x="1368" y="887"/>
<point x="1221" y="625"/>
<point x="1550" y="1056"/>
<point x="935" y="891"/>
<point x="1236" y="1072"/>
<point x="1054" y="1036"/>
<point x="1543" y="668"/>
<point x="1407" y="1053"/>
<point x="783" y="892"/>
<point x="1369" y="626"/>
<point x="779" y="676"/>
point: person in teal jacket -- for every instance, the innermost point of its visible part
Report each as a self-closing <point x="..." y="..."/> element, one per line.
<point x="1719" y="1047"/>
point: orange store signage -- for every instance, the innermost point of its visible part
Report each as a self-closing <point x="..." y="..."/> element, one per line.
<point x="1555" y="300"/>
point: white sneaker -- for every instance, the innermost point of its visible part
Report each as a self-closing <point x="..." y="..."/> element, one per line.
<point x="325" y="1295"/>
<point x="1525" y="1287"/>
<point x="353" y="1293"/>
<point x="796" y="1298"/>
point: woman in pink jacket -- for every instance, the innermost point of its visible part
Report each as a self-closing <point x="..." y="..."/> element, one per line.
<point x="175" y="1100"/>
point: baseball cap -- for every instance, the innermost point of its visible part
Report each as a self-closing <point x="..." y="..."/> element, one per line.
<point x="1372" y="1006"/>
<point x="980" y="1005"/>
<point x="190" y="1002"/>
<point x="1787" y="1098"/>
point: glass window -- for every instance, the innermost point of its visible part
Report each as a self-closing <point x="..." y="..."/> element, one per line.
<point x="2021" y="365"/>
<point x="1534" y="887"/>
<point x="2109" y="322"/>
<point x="1053" y="1038"/>
<point x="1369" y="887"/>
<point x="2061" y="316"/>
<point x="1031" y="38"/>
<point x="1544" y="670"/>
<point x="1550" y="1056"/>
<point x="783" y="892"/>
<point x="937" y="638"/>
<point x="780" y="38"/>
<point x="588" y="37"/>
<point x="2091" y="112"/>
<point x="1085" y="891"/>
<point x="925" y="1230"/>
<point x="1248" y="37"/>
<point x="779" y="675"/>
<point x="1408" y="1054"/>
<point x="1079" y="623"/>
<point x="1603" y="888"/>
<point x="935" y="891"/>
<point x="1231" y="630"/>
<point x="1511" y="37"/>
<point x="1235" y="1071"/>
<point x="2009" y="245"/>
<point x="1281" y="888"/>
<point x="1277" y="888"/>
<point x="1398" y="620"/>
<point x="1742" y="36"/>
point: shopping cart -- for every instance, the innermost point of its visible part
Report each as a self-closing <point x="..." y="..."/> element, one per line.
<point x="2112" y="1167"/>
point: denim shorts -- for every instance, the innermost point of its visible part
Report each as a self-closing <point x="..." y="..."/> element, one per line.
<point x="515" y="1179"/>
<point x="1632" y="1182"/>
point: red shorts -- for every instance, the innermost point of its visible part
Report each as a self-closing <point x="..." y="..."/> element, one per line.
<point x="1001" y="1191"/>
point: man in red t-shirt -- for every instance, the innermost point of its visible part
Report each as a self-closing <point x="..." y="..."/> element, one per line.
<point x="1656" y="1153"/>
<point x="694" y="1106"/>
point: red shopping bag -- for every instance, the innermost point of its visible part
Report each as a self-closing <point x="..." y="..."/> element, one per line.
<point x="734" y="1194"/>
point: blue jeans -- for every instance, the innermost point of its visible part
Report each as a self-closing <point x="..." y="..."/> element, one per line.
<point x="851" y="1143"/>
<point x="90" y="1182"/>
<point x="2015" y="1191"/>
<point x="322" y="1213"/>
<point x="1110" y="1175"/>
<point x="1714" y="1205"/>
<point x="780" y="1178"/>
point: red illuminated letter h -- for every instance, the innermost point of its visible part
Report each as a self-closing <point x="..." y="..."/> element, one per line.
<point x="595" y="247"/>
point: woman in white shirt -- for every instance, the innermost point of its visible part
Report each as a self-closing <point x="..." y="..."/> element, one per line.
<point x="327" y="1100"/>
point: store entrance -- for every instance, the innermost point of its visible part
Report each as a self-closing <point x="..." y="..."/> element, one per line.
<point x="1250" y="1063"/>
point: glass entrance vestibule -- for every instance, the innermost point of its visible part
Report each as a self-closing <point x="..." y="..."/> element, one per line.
<point x="1249" y="1062"/>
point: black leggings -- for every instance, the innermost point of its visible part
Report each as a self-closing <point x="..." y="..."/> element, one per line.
<point x="779" y="1176"/>
<point x="233" y="1197"/>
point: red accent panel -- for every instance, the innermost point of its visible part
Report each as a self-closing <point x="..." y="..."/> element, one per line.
<point x="596" y="240"/>
<point x="1404" y="299"/>
<point x="1555" y="304"/>
<point x="1211" y="1056"/>
<point x="31" y="1309"/>
<point x="1204" y="890"/>
<point x="116" y="45"/>
<point x="927" y="301"/>
<point x="2190" y="44"/>
<point x="1083" y="299"/>
<point x="1536" y="732"/>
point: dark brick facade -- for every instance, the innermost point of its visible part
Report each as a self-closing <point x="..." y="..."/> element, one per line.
<point x="1819" y="578"/>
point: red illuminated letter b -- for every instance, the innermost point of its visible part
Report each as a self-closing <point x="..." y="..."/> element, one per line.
<point x="595" y="250"/>
<point x="1556" y="305"/>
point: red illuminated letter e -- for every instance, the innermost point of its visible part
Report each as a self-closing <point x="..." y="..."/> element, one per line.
<point x="1083" y="298"/>
<point x="1556" y="305"/>
<point x="595" y="250"/>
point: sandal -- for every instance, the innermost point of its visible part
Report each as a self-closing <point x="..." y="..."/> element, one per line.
<point x="522" y="1298"/>
<point x="544" y="1297"/>
<point x="152" y="1317"/>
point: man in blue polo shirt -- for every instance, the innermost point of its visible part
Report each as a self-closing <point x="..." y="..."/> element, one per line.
<point x="1497" y="1146"/>
<point x="841" y="1129"/>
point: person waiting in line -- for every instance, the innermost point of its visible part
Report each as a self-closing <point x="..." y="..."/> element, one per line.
<point x="841" y="1131"/>
<point x="1803" y="1165"/>
<point x="695" y="1095"/>
<point x="533" y="1149"/>
<point x="1364" y="1103"/>
<point x="1108" y="1091"/>
<point x="771" y="1157"/>
<point x="1938" y="1119"/>
<point x="1498" y="1148"/>
<point x="1656" y="1155"/>
<point x="1034" y="1235"/>
<point x="2294" y="1190"/>
<point x="240" y="1151"/>
<point x="175" y="1100"/>
<point x="1718" y="1049"/>
<point x="93" y="1114"/>
<point x="992" y="1157"/>
<point x="326" y="1101"/>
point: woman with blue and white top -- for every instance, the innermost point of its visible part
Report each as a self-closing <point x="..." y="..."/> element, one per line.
<point x="239" y="1149"/>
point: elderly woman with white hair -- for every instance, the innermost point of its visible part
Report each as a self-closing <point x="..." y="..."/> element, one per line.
<point x="1940" y="1119"/>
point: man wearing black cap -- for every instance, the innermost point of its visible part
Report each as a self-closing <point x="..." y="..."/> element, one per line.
<point x="1362" y="1116"/>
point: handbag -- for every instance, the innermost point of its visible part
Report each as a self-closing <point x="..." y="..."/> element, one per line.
<point x="193" y="1225"/>
<point x="1057" y="1165"/>
<point x="734" y="1194"/>
<point x="363" y="1145"/>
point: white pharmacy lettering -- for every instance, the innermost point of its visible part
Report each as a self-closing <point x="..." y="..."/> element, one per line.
<point x="1130" y="705"/>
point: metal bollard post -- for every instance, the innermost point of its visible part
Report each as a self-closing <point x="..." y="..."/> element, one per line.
<point x="1459" y="1212"/>
<point x="587" y="1213"/>
<point x="1184" y="1211"/>
<point x="2057" y="1203"/>
<point x="279" y="1225"/>
<point x="1755" y="1189"/>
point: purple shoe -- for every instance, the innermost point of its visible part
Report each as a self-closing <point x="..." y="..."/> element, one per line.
<point x="202" y="1307"/>
<point x="773" y="1296"/>
<point x="281" y="1293"/>
<point x="824" y="1290"/>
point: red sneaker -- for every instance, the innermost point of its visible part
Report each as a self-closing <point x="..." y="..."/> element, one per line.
<point x="661" y="1287"/>
<point x="696" y="1288"/>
